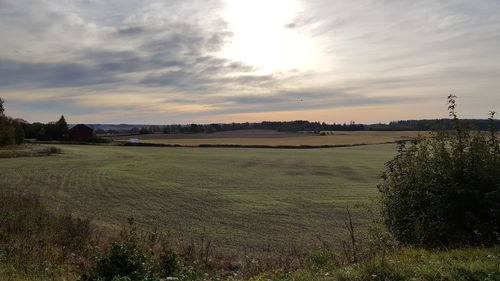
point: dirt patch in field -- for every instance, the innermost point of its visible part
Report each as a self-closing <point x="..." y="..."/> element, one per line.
<point x="322" y="173"/>
<point x="249" y="164"/>
<point x="294" y="173"/>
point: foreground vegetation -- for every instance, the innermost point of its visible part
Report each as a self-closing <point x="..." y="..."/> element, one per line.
<point x="402" y="265"/>
<point x="445" y="191"/>
<point x="36" y="244"/>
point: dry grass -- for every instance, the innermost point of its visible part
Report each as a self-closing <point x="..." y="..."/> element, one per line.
<point x="273" y="138"/>
<point x="27" y="150"/>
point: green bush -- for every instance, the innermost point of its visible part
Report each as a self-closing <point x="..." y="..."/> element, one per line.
<point x="170" y="263"/>
<point x="128" y="259"/>
<point x="132" y="258"/>
<point x="123" y="259"/>
<point x="445" y="190"/>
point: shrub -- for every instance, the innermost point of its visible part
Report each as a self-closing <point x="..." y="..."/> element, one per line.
<point x="54" y="150"/>
<point x="170" y="263"/>
<point x="128" y="259"/>
<point x="123" y="259"/>
<point x="320" y="261"/>
<point x="445" y="190"/>
<point x="97" y="140"/>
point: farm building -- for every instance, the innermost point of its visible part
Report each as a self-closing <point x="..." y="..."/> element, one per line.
<point x="80" y="132"/>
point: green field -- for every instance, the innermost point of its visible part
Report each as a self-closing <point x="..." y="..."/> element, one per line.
<point x="239" y="198"/>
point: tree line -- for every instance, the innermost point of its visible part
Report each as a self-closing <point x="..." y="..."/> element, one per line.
<point x="50" y="131"/>
<point x="301" y="125"/>
<point x="11" y="130"/>
<point x="282" y="126"/>
<point x="14" y="131"/>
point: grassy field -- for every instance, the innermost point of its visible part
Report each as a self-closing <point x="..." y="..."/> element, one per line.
<point x="274" y="138"/>
<point x="239" y="198"/>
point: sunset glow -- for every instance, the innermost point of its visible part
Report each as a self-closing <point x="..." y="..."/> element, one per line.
<point x="264" y="37"/>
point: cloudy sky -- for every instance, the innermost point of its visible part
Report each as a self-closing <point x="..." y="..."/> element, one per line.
<point x="184" y="61"/>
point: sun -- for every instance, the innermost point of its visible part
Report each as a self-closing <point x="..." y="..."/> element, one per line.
<point x="264" y="37"/>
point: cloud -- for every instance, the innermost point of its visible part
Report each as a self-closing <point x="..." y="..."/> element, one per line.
<point x="22" y="75"/>
<point x="153" y="57"/>
<point x="177" y="55"/>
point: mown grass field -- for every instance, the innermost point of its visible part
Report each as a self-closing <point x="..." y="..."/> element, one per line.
<point x="274" y="138"/>
<point x="238" y="198"/>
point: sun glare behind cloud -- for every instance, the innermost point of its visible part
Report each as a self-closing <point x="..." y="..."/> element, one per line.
<point x="185" y="61"/>
<point x="264" y="37"/>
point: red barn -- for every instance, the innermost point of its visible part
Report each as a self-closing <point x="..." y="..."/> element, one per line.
<point x="80" y="132"/>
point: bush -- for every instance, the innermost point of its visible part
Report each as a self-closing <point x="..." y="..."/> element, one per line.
<point x="97" y="140"/>
<point x="444" y="191"/>
<point x="170" y="263"/>
<point x="123" y="260"/>
<point x="53" y="150"/>
<point x="319" y="261"/>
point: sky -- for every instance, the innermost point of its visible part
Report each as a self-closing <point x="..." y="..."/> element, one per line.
<point x="212" y="61"/>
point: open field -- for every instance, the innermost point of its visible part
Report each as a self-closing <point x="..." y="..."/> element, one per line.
<point x="274" y="138"/>
<point x="240" y="198"/>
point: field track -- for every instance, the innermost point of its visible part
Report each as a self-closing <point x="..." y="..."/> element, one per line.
<point x="239" y="198"/>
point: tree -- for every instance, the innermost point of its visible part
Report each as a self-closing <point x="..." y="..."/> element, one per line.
<point x="7" y="134"/>
<point x="209" y="129"/>
<point x="61" y="129"/>
<point x="54" y="130"/>
<point x="444" y="190"/>
<point x="11" y="130"/>
<point x="2" y="109"/>
<point x="144" y="131"/>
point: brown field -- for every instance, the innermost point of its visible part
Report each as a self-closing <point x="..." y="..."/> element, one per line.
<point x="274" y="138"/>
<point x="26" y="151"/>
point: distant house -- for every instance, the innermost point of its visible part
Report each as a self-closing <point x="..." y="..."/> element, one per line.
<point x="80" y="132"/>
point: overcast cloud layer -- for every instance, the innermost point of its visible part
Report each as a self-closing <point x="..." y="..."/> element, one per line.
<point x="150" y="61"/>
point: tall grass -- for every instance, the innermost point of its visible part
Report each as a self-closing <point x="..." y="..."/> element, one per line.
<point x="35" y="242"/>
